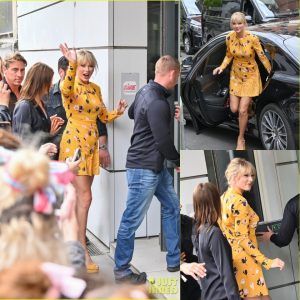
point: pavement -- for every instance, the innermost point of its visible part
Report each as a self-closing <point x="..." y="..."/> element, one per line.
<point x="147" y="258"/>
<point x="221" y="137"/>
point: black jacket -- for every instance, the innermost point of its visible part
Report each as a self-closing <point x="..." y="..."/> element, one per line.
<point x="213" y="249"/>
<point x="29" y="119"/>
<point x="290" y="222"/>
<point x="151" y="142"/>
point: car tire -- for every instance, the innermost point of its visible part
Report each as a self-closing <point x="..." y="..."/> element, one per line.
<point x="187" y="44"/>
<point x="274" y="129"/>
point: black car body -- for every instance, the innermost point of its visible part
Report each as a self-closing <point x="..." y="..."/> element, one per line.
<point x="216" y="14"/>
<point x="276" y="109"/>
<point x="191" y="26"/>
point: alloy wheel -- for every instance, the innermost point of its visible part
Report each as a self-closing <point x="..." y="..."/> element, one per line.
<point x="273" y="131"/>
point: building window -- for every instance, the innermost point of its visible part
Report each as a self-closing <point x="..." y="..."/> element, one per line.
<point x="6" y="18"/>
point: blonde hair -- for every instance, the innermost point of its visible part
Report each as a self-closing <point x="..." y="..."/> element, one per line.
<point x="25" y="234"/>
<point x="13" y="57"/>
<point x="27" y="167"/>
<point x="166" y="64"/>
<point x="237" y="167"/>
<point x="238" y="17"/>
<point x="86" y="56"/>
<point x="28" y="236"/>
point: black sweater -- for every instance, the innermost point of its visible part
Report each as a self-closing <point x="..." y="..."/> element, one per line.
<point x="290" y="222"/>
<point x="213" y="249"/>
<point x="151" y="142"/>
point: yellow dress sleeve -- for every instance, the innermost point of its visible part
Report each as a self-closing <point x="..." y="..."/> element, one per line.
<point x="104" y="115"/>
<point x="228" y="57"/>
<point x="67" y="85"/>
<point x="261" y="54"/>
<point x="241" y="214"/>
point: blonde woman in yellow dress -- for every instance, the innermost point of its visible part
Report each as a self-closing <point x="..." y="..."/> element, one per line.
<point x="245" y="81"/>
<point x="238" y="223"/>
<point x="83" y="103"/>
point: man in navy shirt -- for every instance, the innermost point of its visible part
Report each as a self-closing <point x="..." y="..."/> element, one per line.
<point x="151" y="145"/>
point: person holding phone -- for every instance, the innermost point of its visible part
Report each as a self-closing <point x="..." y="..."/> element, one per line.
<point x="245" y="81"/>
<point x="83" y="104"/>
<point x="289" y="224"/>
<point x="238" y="222"/>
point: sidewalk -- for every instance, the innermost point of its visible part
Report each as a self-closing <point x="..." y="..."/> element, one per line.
<point x="147" y="258"/>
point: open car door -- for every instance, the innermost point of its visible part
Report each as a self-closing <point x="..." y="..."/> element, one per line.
<point x="205" y="95"/>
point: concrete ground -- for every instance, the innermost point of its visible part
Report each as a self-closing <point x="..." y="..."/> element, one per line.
<point x="147" y="258"/>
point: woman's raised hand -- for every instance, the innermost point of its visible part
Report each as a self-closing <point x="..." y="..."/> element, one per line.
<point x="121" y="106"/>
<point x="277" y="263"/>
<point x="217" y="70"/>
<point x="70" y="55"/>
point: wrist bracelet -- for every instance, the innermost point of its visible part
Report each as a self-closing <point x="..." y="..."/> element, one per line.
<point x="103" y="147"/>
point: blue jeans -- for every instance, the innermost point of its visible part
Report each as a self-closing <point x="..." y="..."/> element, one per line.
<point x="142" y="185"/>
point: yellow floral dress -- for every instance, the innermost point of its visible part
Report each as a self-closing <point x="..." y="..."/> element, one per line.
<point x="238" y="224"/>
<point x="83" y="105"/>
<point x="244" y="76"/>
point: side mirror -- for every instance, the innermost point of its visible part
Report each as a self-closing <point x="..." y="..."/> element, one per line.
<point x="187" y="62"/>
<point x="249" y="19"/>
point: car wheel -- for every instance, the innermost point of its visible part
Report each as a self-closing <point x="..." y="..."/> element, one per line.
<point x="274" y="129"/>
<point x="187" y="45"/>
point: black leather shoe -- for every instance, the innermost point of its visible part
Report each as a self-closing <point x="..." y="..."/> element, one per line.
<point x="173" y="269"/>
<point x="133" y="278"/>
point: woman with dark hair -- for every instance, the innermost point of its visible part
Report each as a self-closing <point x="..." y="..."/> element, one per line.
<point x="212" y="247"/>
<point x="30" y="115"/>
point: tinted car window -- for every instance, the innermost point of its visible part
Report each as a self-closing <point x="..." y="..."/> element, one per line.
<point x="214" y="8"/>
<point x="293" y="45"/>
<point x="191" y="7"/>
<point x="214" y="59"/>
<point x="277" y="8"/>
<point x="230" y="7"/>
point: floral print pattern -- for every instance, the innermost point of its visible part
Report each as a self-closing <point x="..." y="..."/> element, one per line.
<point x="244" y="76"/>
<point x="238" y="224"/>
<point x="83" y="104"/>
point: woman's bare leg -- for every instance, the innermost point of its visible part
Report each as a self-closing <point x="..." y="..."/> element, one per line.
<point x="84" y="198"/>
<point x="234" y="103"/>
<point x="243" y="120"/>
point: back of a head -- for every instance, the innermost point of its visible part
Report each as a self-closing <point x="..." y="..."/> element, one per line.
<point x="207" y="204"/>
<point x="166" y="64"/>
<point x="38" y="78"/>
<point x="9" y="140"/>
<point x="25" y="173"/>
<point x="26" y="232"/>
<point x="62" y="63"/>
<point x="24" y="280"/>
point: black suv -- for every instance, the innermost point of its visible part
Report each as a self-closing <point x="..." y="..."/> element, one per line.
<point x="216" y="14"/>
<point x="191" y="26"/>
<point x="276" y="109"/>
